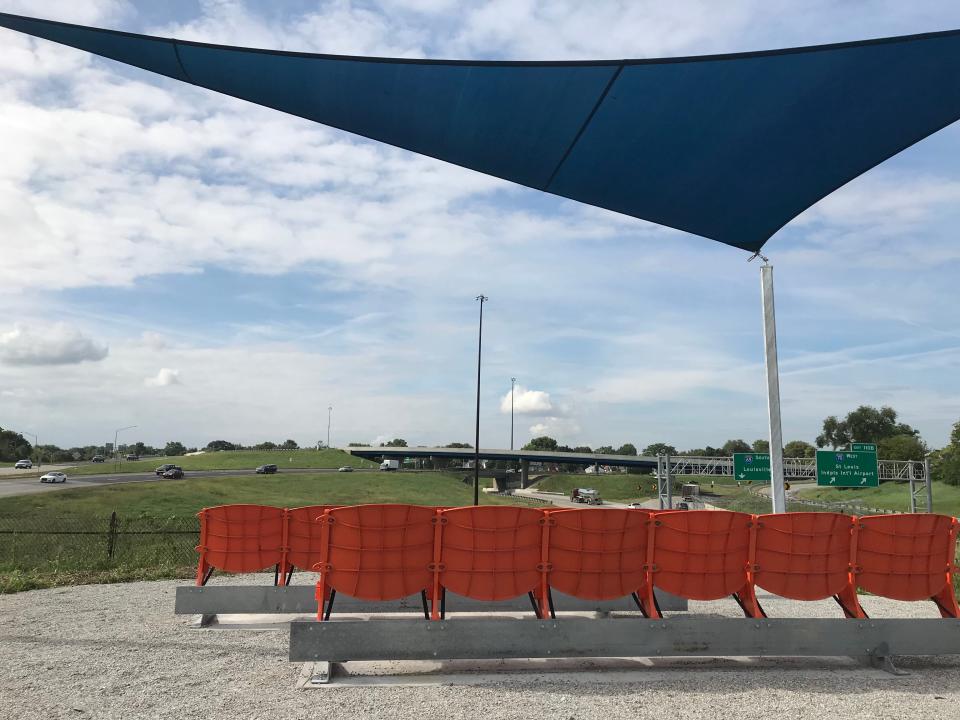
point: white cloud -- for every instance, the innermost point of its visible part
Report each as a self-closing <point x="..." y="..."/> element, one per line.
<point x="527" y="402"/>
<point x="164" y="378"/>
<point x="154" y="340"/>
<point x="57" y="344"/>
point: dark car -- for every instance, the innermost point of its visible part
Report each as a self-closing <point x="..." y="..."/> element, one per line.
<point x="133" y="457"/>
<point x="174" y="473"/>
<point x="97" y="458"/>
<point x="266" y="470"/>
<point x="163" y="468"/>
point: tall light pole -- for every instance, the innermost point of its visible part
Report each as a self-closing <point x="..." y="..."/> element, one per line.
<point x="116" y="433"/>
<point x="36" y="446"/>
<point x="513" y="382"/>
<point x="476" y="456"/>
<point x="329" y="415"/>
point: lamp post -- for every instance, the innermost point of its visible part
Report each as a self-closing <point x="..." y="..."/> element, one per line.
<point x="476" y="455"/>
<point x="513" y="382"/>
<point x="116" y="448"/>
<point x="329" y="415"/>
<point x="36" y="446"/>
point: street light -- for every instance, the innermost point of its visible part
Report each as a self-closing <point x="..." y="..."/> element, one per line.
<point x="329" y="414"/>
<point x="116" y="448"/>
<point x="513" y="381"/>
<point x="476" y="455"/>
<point x="36" y="446"/>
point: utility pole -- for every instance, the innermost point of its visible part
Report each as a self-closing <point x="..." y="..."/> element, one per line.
<point x="513" y="382"/>
<point x="476" y="449"/>
<point x="116" y="434"/>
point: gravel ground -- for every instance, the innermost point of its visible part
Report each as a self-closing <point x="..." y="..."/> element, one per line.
<point x="117" y="651"/>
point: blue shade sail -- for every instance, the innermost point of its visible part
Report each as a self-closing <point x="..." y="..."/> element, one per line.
<point x="729" y="147"/>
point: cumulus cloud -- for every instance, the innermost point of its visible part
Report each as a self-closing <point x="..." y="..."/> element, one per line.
<point x="164" y="378"/>
<point x="527" y="402"/>
<point x="56" y="344"/>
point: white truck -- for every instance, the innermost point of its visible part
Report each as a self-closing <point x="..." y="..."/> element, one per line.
<point x="588" y="496"/>
<point x="388" y="465"/>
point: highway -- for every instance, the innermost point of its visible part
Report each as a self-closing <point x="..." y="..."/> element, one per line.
<point x="27" y="485"/>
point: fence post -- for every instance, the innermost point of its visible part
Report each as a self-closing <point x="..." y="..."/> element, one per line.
<point x="112" y="535"/>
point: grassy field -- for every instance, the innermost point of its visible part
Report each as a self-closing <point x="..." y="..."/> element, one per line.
<point x="67" y="537"/>
<point x="622" y="488"/>
<point x="234" y="460"/>
<point x="889" y="496"/>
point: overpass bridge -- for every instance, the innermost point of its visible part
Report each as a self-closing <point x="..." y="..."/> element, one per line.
<point x="664" y="467"/>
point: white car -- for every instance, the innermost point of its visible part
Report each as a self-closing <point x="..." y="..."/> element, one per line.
<point x="637" y="506"/>
<point x="53" y="477"/>
<point x="345" y="468"/>
<point x="23" y="465"/>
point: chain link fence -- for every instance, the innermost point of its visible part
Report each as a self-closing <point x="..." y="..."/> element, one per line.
<point x="94" y="544"/>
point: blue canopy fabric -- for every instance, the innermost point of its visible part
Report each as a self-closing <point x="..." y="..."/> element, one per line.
<point x="729" y="147"/>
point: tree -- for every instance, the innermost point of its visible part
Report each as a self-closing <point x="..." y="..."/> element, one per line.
<point x="459" y="445"/>
<point x="735" y="446"/>
<point x="355" y="444"/>
<point x="799" y="449"/>
<point x="289" y="445"/>
<point x="583" y="449"/>
<point x="396" y="442"/>
<point x="605" y="450"/>
<point x="265" y="446"/>
<point x="761" y="446"/>
<point x="659" y="449"/>
<point x="901" y="447"/>
<point x="955" y="435"/>
<point x="627" y="449"/>
<point x="865" y="424"/>
<point x="13" y="446"/>
<point x="173" y="449"/>
<point x="216" y="445"/>
<point x="541" y="443"/>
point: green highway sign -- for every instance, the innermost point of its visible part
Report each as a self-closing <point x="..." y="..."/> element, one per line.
<point x="751" y="466"/>
<point x="864" y="447"/>
<point x="847" y="468"/>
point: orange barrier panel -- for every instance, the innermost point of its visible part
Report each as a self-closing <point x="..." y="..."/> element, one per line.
<point x="490" y="553"/>
<point x="701" y="555"/>
<point x="303" y="539"/>
<point x="597" y="555"/>
<point x="239" y="538"/>
<point x="806" y="556"/>
<point x="377" y="552"/>
<point x="908" y="557"/>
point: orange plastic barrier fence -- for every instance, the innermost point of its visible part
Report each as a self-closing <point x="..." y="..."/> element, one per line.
<point x="908" y="557"/>
<point x="303" y="539"/>
<point x="389" y="552"/>
<point x="701" y="555"/>
<point x="489" y="553"/>
<point x="377" y="552"/>
<point x="806" y="556"/>
<point x="240" y="538"/>
<point x="596" y="555"/>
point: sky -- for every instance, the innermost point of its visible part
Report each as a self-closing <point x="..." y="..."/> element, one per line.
<point x="204" y="268"/>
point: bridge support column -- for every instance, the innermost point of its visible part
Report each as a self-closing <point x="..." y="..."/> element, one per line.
<point x="524" y="473"/>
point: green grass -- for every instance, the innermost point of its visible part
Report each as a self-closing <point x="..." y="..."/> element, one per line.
<point x="889" y="496"/>
<point x="622" y="487"/>
<point x="178" y="498"/>
<point x="61" y="538"/>
<point x="234" y="460"/>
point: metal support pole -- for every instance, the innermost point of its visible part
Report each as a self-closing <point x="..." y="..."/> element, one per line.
<point x="913" y="491"/>
<point x="927" y="479"/>
<point x="660" y="493"/>
<point x="476" y="456"/>
<point x="777" y="493"/>
<point x="513" y="382"/>
<point x="669" y="480"/>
